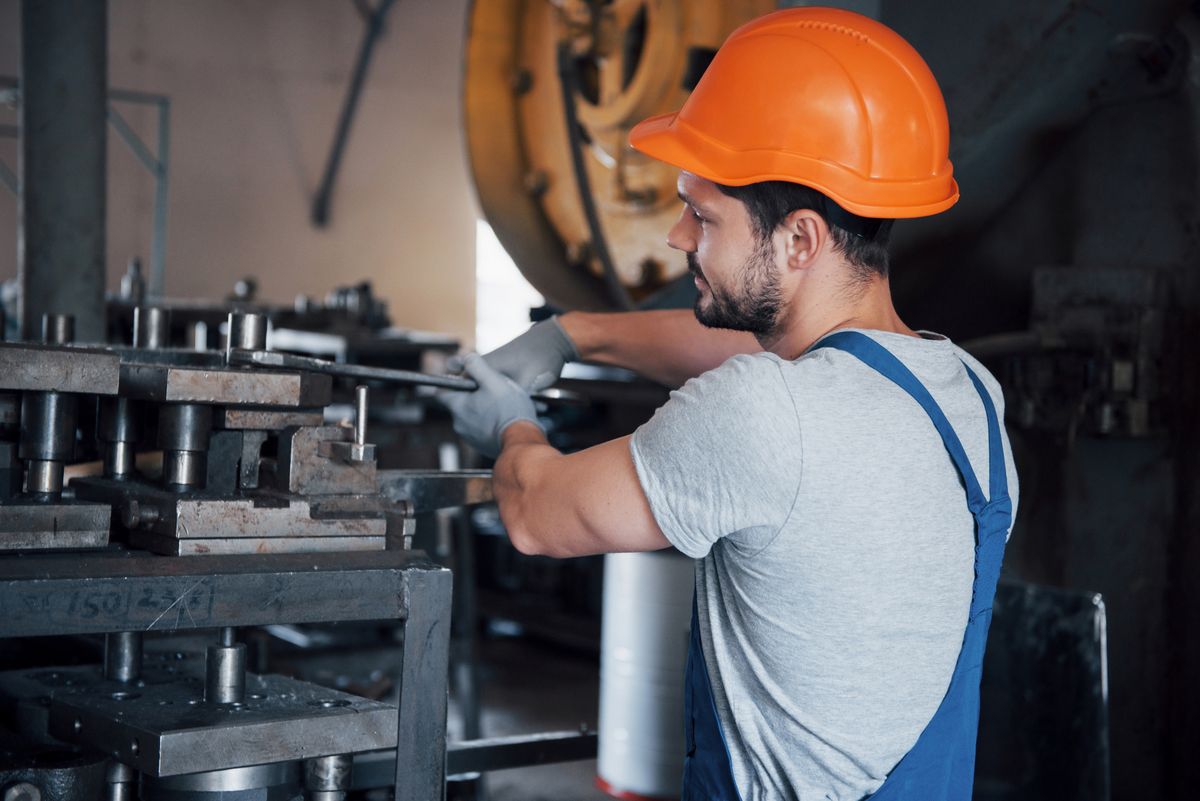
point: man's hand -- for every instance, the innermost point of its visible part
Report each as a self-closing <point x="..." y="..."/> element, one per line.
<point x="536" y="358"/>
<point x="480" y="417"/>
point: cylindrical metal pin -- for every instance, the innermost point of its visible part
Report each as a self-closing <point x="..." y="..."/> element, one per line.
<point x="43" y="477"/>
<point x="183" y="431"/>
<point x="123" y="655"/>
<point x="327" y="778"/>
<point x="225" y="671"/>
<point x="120" y="428"/>
<point x="47" y="439"/>
<point x="58" y="329"/>
<point x="360" y="415"/>
<point x="151" y="327"/>
<point x="122" y="782"/>
<point x="246" y="331"/>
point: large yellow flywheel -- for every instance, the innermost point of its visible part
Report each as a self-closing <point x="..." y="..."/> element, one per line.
<point x="621" y="61"/>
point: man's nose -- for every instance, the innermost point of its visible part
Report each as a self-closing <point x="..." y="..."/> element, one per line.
<point x="682" y="236"/>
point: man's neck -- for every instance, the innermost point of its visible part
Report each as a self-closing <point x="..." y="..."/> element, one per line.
<point x="814" y="315"/>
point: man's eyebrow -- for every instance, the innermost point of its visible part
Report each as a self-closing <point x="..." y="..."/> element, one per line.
<point x="690" y="201"/>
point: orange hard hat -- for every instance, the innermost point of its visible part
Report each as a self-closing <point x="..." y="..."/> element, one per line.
<point x="821" y="97"/>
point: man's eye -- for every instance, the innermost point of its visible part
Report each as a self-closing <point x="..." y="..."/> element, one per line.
<point x="699" y="218"/>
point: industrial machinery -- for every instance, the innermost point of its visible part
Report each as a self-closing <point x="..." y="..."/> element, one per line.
<point x="218" y="497"/>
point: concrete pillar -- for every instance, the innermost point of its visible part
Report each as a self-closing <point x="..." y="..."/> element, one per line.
<point x="64" y="88"/>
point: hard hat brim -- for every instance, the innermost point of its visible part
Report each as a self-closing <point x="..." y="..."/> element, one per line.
<point x="669" y="139"/>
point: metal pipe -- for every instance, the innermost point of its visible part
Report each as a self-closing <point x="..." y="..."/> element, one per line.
<point x="225" y="671"/>
<point x="58" y="329"/>
<point x="151" y="327"/>
<point x="123" y="655"/>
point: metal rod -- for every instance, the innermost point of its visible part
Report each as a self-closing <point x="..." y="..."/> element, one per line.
<point x="132" y="140"/>
<point x="158" y="241"/>
<point x="267" y="358"/>
<point x="374" y="27"/>
<point x="360" y="415"/>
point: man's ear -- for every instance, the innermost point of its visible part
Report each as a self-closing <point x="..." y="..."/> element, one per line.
<point x="805" y="234"/>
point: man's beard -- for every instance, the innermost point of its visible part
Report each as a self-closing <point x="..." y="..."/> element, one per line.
<point x="756" y="308"/>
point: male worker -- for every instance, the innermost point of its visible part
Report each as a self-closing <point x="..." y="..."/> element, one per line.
<point x="844" y="481"/>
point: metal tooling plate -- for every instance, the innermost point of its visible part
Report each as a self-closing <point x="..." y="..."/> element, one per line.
<point x="72" y="593"/>
<point x="214" y="519"/>
<point x="167" y="729"/>
<point x="199" y="515"/>
<point x="233" y="386"/>
<point x="27" y="524"/>
<point x="429" y="490"/>
<point x="26" y="366"/>
<point x="171" y="546"/>
<point x="268" y="419"/>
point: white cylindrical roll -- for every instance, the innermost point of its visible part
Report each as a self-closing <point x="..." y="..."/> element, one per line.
<point x="643" y="653"/>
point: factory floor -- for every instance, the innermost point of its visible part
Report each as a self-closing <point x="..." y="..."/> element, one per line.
<point x="525" y="687"/>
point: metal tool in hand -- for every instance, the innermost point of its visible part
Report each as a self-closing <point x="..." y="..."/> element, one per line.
<point x="290" y="361"/>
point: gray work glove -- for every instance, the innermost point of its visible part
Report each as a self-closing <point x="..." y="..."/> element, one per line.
<point x="535" y="359"/>
<point x="481" y="416"/>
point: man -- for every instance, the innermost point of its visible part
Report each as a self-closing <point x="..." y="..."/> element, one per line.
<point x="843" y="481"/>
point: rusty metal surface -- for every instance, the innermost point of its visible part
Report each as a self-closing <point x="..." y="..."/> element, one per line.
<point x="305" y="466"/>
<point x="226" y="386"/>
<point x="267" y="419"/>
<point x="26" y="366"/>
<point x="251" y="518"/>
<point x="32" y="525"/>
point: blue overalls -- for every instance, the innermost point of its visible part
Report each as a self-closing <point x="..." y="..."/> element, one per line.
<point x="941" y="766"/>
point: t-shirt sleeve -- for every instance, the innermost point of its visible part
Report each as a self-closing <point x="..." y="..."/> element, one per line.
<point x="723" y="457"/>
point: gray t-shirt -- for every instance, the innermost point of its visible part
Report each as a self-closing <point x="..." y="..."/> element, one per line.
<point x="836" y="553"/>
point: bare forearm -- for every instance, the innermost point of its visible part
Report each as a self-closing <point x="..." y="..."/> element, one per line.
<point x="571" y="505"/>
<point x="514" y="481"/>
<point x="669" y="346"/>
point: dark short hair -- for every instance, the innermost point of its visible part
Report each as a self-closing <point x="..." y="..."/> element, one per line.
<point x="862" y="240"/>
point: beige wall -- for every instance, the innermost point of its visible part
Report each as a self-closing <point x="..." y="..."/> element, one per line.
<point x="256" y="87"/>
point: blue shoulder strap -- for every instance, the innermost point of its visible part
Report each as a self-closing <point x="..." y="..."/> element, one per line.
<point x="879" y="358"/>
